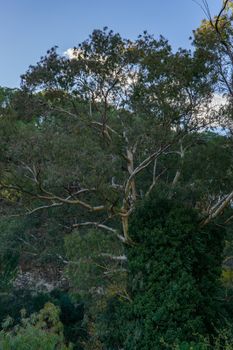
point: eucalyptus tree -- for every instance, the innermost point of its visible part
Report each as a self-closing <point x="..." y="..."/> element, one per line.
<point x="90" y="135"/>
<point x="92" y="128"/>
<point x="213" y="40"/>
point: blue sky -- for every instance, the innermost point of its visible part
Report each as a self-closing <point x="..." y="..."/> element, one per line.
<point x="30" y="27"/>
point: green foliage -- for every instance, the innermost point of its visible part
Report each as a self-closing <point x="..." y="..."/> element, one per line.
<point x="40" y="331"/>
<point x="39" y="236"/>
<point x="215" y="152"/>
<point x="95" y="268"/>
<point x="72" y="318"/>
<point x="213" y="42"/>
<point x="71" y="314"/>
<point x="174" y="270"/>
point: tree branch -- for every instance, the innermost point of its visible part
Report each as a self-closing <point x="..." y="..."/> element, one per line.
<point x="143" y="165"/>
<point x="218" y="209"/>
<point x="43" y="207"/>
<point x="95" y="224"/>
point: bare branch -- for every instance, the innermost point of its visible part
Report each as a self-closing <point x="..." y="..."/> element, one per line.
<point x="106" y="127"/>
<point x="52" y="197"/>
<point x="99" y="225"/>
<point x="225" y="3"/>
<point x="203" y="7"/>
<point x="43" y="207"/>
<point x="228" y="220"/>
<point x="143" y="165"/>
<point x="155" y="178"/>
<point x="218" y="209"/>
<point x="178" y="172"/>
<point x="95" y="224"/>
<point x="113" y="257"/>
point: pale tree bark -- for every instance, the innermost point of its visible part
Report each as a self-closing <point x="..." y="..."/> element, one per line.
<point x="217" y="209"/>
<point x="178" y="172"/>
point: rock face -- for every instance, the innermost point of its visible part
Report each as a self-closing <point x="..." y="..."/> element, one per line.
<point x="41" y="280"/>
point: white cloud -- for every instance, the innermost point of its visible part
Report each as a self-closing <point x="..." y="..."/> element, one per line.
<point x="72" y="53"/>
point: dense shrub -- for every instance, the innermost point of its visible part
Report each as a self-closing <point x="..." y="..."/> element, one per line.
<point x="174" y="269"/>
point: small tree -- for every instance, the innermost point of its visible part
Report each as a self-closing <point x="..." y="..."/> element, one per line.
<point x="40" y="331"/>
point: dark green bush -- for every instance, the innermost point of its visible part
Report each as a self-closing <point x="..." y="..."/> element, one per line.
<point x="174" y="269"/>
